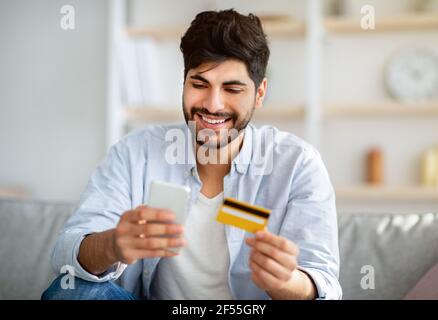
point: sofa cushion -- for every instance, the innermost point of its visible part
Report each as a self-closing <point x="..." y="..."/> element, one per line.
<point x="400" y="248"/>
<point x="28" y="231"/>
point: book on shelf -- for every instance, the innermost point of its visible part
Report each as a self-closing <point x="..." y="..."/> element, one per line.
<point x="140" y="73"/>
<point x="128" y="72"/>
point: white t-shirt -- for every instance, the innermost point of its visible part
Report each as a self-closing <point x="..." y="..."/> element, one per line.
<point x="200" y="271"/>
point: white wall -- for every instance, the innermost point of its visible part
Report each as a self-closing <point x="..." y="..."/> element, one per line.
<point x="52" y="96"/>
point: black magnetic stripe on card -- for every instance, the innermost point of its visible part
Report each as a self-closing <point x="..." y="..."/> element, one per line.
<point x="246" y="209"/>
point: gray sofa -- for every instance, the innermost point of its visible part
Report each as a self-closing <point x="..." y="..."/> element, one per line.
<point x="397" y="249"/>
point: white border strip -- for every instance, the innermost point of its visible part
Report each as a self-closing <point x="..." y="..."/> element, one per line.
<point x="242" y="215"/>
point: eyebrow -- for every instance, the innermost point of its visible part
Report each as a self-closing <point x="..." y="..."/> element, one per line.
<point x="226" y="83"/>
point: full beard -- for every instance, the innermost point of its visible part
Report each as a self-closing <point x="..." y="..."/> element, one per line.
<point x="212" y="139"/>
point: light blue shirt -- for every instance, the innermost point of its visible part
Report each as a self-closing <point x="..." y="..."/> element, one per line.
<point x="274" y="169"/>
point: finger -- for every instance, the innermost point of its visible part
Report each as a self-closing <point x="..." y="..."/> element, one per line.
<point x="126" y="216"/>
<point x="259" y="281"/>
<point x="287" y="260"/>
<point x="142" y="254"/>
<point x="271" y="266"/>
<point x="155" y="229"/>
<point x="143" y="214"/>
<point x="265" y="278"/>
<point x="152" y="243"/>
<point x="255" y="278"/>
<point x="280" y="242"/>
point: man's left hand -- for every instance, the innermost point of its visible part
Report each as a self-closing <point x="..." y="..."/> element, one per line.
<point x="273" y="260"/>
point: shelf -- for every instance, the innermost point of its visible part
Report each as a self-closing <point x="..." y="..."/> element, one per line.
<point x="407" y="22"/>
<point x="284" y="27"/>
<point x="272" y="28"/>
<point x="295" y="112"/>
<point x="13" y="192"/>
<point x="169" y="113"/>
<point x="279" y="112"/>
<point x="155" y="32"/>
<point x="386" y="109"/>
<point x="147" y="113"/>
<point x="407" y="193"/>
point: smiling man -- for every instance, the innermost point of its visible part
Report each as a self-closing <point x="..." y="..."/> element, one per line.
<point x="119" y="247"/>
<point x="225" y="83"/>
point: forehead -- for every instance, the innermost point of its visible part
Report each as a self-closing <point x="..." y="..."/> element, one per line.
<point x="223" y="71"/>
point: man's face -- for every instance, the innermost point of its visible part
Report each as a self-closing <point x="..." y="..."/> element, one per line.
<point x="220" y="97"/>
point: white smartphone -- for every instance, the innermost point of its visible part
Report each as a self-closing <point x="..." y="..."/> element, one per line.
<point x="165" y="195"/>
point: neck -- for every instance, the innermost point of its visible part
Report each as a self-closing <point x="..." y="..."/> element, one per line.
<point x="213" y="171"/>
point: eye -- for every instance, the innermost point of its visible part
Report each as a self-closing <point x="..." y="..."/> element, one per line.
<point x="234" y="90"/>
<point x="199" y="85"/>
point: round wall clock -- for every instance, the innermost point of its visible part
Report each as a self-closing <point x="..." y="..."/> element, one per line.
<point x="411" y="75"/>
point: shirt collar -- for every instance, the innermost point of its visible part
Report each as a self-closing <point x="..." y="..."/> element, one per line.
<point x="243" y="159"/>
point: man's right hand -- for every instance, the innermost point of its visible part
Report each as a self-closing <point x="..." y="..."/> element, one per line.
<point x="143" y="232"/>
<point x="146" y="232"/>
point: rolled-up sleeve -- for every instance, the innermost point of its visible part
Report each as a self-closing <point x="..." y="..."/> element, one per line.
<point x="311" y="222"/>
<point x="106" y="196"/>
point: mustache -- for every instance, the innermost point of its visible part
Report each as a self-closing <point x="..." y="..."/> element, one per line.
<point x="204" y="111"/>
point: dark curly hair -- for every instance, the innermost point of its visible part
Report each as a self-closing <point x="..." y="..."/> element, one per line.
<point x="215" y="36"/>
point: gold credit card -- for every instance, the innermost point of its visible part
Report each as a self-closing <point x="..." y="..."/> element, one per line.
<point x="243" y="215"/>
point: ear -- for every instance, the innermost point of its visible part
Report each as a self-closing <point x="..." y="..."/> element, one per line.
<point x="261" y="93"/>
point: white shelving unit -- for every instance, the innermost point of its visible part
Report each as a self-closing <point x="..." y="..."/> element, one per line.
<point x="313" y="113"/>
<point x="397" y="193"/>
<point x="116" y="27"/>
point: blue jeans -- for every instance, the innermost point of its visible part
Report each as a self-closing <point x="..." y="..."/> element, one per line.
<point x="86" y="290"/>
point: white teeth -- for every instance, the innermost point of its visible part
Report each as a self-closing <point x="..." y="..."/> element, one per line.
<point x="213" y="121"/>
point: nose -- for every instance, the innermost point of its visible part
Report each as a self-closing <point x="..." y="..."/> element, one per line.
<point x="214" y="101"/>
